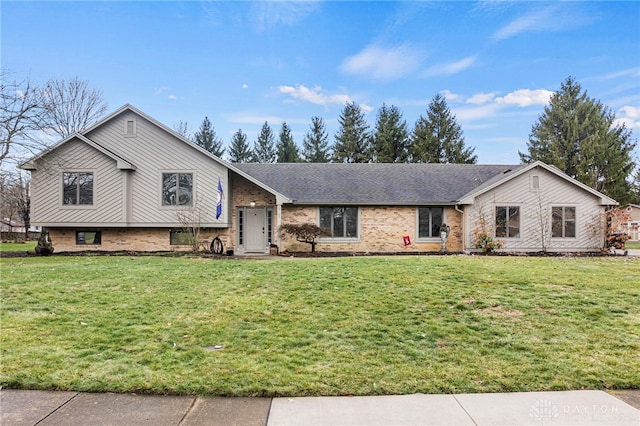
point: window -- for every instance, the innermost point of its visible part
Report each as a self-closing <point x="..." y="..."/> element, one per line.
<point x="508" y="222"/>
<point x="177" y="189"/>
<point x="429" y="221"/>
<point x="339" y="222"/>
<point x="88" y="237"/>
<point x="178" y="237"/>
<point x="563" y="222"/>
<point x="77" y="188"/>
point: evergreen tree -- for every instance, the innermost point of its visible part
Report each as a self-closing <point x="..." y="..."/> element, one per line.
<point x="578" y="135"/>
<point x="635" y="187"/>
<point x="263" y="148"/>
<point x="287" y="148"/>
<point x="239" y="151"/>
<point x="391" y="137"/>
<point x="207" y="139"/>
<point x="352" y="141"/>
<point x="438" y="137"/>
<point x="315" y="146"/>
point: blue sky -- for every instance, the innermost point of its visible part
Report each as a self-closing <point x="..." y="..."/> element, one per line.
<point x="244" y="63"/>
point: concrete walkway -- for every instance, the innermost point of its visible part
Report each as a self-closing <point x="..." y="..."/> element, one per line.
<point x="530" y="408"/>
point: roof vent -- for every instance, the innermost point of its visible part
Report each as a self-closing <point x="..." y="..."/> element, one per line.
<point x="506" y="171"/>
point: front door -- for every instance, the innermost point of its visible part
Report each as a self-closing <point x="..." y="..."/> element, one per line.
<point x="256" y="239"/>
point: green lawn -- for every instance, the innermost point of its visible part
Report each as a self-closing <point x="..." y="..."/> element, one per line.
<point x="27" y="246"/>
<point x="632" y="245"/>
<point x="325" y="326"/>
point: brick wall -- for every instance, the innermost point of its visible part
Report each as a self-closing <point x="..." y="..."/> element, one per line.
<point x="128" y="239"/>
<point x="381" y="230"/>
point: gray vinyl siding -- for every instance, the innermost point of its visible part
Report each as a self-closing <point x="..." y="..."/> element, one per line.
<point x="108" y="186"/>
<point x="537" y="204"/>
<point x="154" y="151"/>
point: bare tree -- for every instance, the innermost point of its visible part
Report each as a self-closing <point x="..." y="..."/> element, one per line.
<point x="15" y="193"/>
<point x="191" y="222"/>
<point x="21" y="115"/>
<point x="304" y="233"/>
<point x="71" y="106"/>
<point x="543" y="215"/>
<point x="183" y="129"/>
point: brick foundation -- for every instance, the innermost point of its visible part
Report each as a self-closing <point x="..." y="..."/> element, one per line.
<point x="128" y="239"/>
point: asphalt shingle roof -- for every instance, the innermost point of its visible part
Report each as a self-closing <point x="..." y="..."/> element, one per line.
<point x="376" y="183"/>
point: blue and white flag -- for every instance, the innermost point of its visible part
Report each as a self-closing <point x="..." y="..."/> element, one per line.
<point x="219" y="206"/>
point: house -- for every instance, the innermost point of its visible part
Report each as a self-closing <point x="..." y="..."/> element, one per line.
<point x="15" y="230"/>
<point x="631" y="224"/>
<point x="129" y="182"/>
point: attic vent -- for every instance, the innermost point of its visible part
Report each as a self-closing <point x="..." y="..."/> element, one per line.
<point x="535" y="182"/>
<point x="130" y="128"/>
<point x="506" y="171"/>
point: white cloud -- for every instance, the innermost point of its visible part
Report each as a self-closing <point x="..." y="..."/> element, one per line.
<point x="481" y="98"/>
<point x="629" y="116"/>
<point x="450" y="68"/>
<point x="316" y="95"/>
<point x="270" y="14"/>
<point x="172" y="97"/>
<point x="245" y="86"/>
<point x="476" y="113"/>
<point x="160" y="90"/>
<point x="526" y="97"/>
<point x="557" y="17"/>
<point x="629" y="72"/>
<point x="450" y="96"/>
<point x="382" y="63"/>
<point x="366" y="108"/>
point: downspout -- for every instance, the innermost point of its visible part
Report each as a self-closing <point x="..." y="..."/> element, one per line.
<point x="463" y="226"/>
<point x="278" y="224"/>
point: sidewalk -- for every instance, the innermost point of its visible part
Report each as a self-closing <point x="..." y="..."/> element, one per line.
<point x="530" y="408"/>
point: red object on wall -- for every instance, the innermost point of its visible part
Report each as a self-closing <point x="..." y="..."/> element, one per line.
<point x="406" y="240"/>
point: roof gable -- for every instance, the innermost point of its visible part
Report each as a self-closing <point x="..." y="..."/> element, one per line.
<point x="468" y="198"/>
<point x="121" y="163"/>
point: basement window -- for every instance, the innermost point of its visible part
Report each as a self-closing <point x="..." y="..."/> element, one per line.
<point x="178" y="237"/>
<point x="88" y="238"/>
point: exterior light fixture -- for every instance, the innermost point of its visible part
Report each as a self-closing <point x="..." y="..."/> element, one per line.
<point x="252" y="203"/>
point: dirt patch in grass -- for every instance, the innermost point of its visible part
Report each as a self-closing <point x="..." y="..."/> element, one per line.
<point x="498" y="311"/>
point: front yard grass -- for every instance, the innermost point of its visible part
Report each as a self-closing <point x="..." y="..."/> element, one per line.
<point x="22" y="246"/>
<point x="325" y="326"/>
